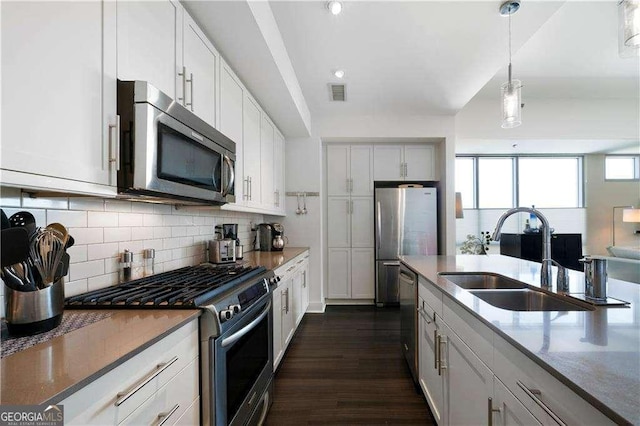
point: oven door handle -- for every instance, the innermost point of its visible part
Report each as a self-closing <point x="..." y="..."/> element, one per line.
<point x="247" y="328"/>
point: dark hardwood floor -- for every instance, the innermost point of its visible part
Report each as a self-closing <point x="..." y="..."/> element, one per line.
<point x="346" y="367"/>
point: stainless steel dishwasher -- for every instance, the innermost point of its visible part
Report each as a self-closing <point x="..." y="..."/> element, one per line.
<point x="408" y="281"/>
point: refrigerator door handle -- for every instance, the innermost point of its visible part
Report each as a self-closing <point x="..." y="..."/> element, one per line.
<point x="391" y="263"/>
<point x="378" y="226"/>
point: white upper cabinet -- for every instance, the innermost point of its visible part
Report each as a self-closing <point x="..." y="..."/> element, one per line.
<point x="59" y="96"/>
<point x="388" y="162"/>
<point x="198" y="75"/>
<point x="251" y="151"/>
<point x="404" y="162"/>
<point x="149" y="43"/>
<point x="266" y="163"/>
<point x="278" y="170"/>
<point x="230" y="121"/>
<point x="350" y="170"/>
<point x="419" y="162"/>
<point x="338" y="170"/>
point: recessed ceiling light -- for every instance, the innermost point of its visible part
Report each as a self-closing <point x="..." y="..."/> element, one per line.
<point x="335" y="7"/>
<point x="339" y="73"/>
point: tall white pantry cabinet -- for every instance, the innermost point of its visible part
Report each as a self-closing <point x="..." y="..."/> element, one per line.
<point x="351" y="169"/>
<point x="350" y="222"/>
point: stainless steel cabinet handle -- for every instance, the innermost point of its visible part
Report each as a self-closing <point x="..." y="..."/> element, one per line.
<point x="183" y="74"/>
<point x="287" y="300"/>
<point x="190" y="81"/>
<point x="406" y="170"/>
<point x="442" y="366"/>
<point x="347" y="184"/>
<point x="284" y="305"/>
<point x="351" y="187"/>
<point x="436" y="352"/>
<point x="351" y="207"/>
<point x="250" y="189"/>
<point x="163" y="417"/>
<point x="348" y="207"/>
<point x="401" y="169"/>
<point x="114" y="144"/>
<point x="535" y="394"/>
<point x="424" y="315"/>
<point x="490" y="411"/>
<point x="123" y="396"/>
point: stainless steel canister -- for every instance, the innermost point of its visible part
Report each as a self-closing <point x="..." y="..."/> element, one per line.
<point x="33" y="312"/>
<point x="595" y="278"/>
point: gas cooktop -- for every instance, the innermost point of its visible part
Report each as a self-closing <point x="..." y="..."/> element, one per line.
<point x="185" y="288"/>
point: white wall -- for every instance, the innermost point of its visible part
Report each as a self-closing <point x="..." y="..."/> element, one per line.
<point x="601" y="197"/>
<point x="304" y="174"/>
<point x="104" y="228"/>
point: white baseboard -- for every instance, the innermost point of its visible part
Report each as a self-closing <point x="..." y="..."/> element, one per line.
<point x="316" y="308"/>
<point x="349" y="301"/>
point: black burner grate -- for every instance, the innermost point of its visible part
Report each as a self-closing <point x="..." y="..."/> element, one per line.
<point x="184" y="288"/>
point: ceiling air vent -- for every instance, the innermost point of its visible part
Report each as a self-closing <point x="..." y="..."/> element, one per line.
<point x="338" y="92"/>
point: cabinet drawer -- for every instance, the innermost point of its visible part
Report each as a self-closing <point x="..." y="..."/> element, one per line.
<point x="170" y="401"/>
<point x="475" y="334"/>
<point x="191" y="415"/>
<point x="140" y="377"/>
<point x="431" y="295"/>
<point x="539" y="391"/>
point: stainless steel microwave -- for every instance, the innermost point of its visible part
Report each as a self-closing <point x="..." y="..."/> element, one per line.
<point x="167" y="153"/>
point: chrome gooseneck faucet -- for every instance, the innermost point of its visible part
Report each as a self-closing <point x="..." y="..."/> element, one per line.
<point x="546" y="274"/>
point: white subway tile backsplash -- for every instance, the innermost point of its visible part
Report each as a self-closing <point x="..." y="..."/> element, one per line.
<point x="117" y="206"/>
<point x="86" y="203"/>
<point x="103" y="228"/>
<point x="117" y="234"/>
<point x="152" y="220"/>
<point x="102" y="219"/>
<point x="179" y="231"/>
<point x="87" y="235"/>
<point x="102" y="281"/>
<point x="73" y="288"/>
<point x="162" y="209"/>
<point x="141" y="233"/>
<point x="130" y="219"/>
<point x="141" y="208"/>
<point x="86" y="269"/>
<point x="161" y="232"/>
<point x="69" y="218"/>
<point x="43" y="202"/>
<point x="102" y="251"/>
<point x="77" y="253"/>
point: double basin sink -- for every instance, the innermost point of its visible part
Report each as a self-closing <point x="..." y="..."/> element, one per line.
<point x="513" y="295"/>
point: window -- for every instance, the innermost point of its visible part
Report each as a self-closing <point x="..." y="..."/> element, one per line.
<point x="495" y="183"/>
<point x="620" y="167"/>
<point x="549" y="182"/>
<point x="508" y="181"/>
<point x="465" y="177"/>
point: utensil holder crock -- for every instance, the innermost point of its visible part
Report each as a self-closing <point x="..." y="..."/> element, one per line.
<point x="34" y="312"/>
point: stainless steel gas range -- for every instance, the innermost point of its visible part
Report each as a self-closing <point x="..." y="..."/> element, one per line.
<point x="236" y="331"/>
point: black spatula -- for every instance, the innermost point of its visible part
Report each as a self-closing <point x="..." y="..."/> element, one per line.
<point x="15" y="246"/>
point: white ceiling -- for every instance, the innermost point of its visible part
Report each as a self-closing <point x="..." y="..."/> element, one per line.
<point x="418" y="57"/>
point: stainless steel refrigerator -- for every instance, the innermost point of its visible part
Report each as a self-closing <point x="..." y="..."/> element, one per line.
<point x="406" y="223"/>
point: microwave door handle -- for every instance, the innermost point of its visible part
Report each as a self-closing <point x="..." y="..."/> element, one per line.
<point x="232" y="176"/>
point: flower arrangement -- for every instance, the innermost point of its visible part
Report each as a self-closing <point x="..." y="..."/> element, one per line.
<point x="475" y="244"/>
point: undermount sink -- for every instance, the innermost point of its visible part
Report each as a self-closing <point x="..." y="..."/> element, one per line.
<point x="526" y="299"/>
<point x="482" y="280"/>
<point x="513" y="295"/>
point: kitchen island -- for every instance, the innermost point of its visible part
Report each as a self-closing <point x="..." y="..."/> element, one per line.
<point x="594" y="353"/>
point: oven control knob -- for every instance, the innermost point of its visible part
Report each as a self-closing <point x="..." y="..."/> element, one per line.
<point x="235" y="308"/>
<point x="226" y="314"/>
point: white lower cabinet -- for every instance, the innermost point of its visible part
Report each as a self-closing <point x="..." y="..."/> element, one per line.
<point x="160" y="383"/>
<point x="351" y="273"/>
<point x="471" y="375"/>
<point x="290" y="300"/>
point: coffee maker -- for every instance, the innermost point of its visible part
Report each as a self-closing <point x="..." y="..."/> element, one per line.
<point x="271" y="237"/>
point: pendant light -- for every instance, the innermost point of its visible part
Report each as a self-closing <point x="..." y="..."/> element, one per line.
<point x="511" y="90"/>
<point x="629" y="28"/>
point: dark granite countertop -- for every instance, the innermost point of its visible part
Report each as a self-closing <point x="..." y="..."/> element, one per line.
<point x="605" y="341"/>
